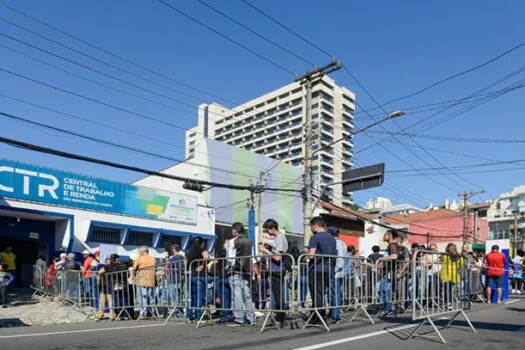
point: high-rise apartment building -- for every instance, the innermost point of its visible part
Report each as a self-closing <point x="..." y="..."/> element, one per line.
<point x="273" y="125"/>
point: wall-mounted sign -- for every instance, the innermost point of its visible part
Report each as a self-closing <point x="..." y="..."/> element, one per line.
<point x="37" y="184"/>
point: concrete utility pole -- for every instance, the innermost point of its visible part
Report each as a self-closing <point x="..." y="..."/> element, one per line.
<point x="465" y="197"/>
<point x="251" y="218"/>
<point x="515" y="244"/>
<point x="309" y="79"/>
<point x="260" y="209"/>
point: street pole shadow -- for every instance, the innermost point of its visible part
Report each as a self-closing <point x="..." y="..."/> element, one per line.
<point x="12" y="323"/>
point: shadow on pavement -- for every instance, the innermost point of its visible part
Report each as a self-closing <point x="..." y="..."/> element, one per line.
<point x="12" y="323"/>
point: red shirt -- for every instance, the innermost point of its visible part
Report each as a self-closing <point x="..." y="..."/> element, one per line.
<point x="496" y="264"/>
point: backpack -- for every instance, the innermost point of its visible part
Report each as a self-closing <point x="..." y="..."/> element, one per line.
<point x="294" y="252"/>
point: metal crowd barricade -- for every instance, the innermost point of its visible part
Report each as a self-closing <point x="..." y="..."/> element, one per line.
<point x="238" y="289"/>
<point x="441" y="288"/>
<point x="392" y="284"/>
<point x="38" y="283"/>
<point x="334" y="284"/>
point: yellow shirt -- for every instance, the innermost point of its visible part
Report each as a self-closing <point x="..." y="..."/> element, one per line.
<point x="450" y="269"/>
<point x="9" y="259"/>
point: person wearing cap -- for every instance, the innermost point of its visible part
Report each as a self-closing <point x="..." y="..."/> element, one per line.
<point x="88" y="282"/>
<point x="337" y="279"/>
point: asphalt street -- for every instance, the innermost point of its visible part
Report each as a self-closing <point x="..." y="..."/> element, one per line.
<point x="497" y="327"/>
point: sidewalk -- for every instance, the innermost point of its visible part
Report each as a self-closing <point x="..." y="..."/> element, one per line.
<point x="25" y="310"/>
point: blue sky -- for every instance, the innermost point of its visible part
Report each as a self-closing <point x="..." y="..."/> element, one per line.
<point x="392" y="47"/>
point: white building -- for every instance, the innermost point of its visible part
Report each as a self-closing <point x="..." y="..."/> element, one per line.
<point x="273" y="125"/>
<point x="378" y="204"/>
<point x="384" y="207"/>
<point x="46" y="211"/>
<point x="503" y="213"/>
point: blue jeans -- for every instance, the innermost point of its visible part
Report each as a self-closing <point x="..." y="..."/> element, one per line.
<point x="146" y="299"/>
<point x="303" y="289"/>
<point x="174" y="294"/>
<point x="73" y="290"/>
<point x="198" y="296"/>
<point x="224" y="292"/>
<point x="242" y="299"/>
<point x="335" y="298"/>
<point x="385" y="293"/>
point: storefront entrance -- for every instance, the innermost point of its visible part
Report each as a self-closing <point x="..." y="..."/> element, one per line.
<point x="29" y="238"/>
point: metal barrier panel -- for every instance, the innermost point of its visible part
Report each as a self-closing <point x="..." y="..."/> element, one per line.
<point x="38" y="282"/>
<point x="237" y="289"/>
<point x="334" y="284"/>
<point x="442" y="287"/>
<point x="393" y="279"/>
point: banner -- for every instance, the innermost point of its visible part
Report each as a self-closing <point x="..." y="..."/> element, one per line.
<point x="43" y="185"/>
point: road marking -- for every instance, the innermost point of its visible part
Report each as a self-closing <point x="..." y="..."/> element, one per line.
<point x="25" y="335"/>
<point x="357" y="337"/>
<point x="512" y="302"/>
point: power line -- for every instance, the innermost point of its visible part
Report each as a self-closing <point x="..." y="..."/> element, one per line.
<point x="46" y="150"/>
<point x="439" y="82"/>
<point x="414" y="140"/>
<point x="140" y="115"/>
<point x="117" y="145"/>
<point x="226" y="37"/>
<point x="467" y="166"/>
<point x="94" y="81"/>
<point x="439" y="105"/>
<point x="454" y="138"/>
<point x="287" y="28"/>
<point x="118" y="129"/>
<point x="453" y="114"/>
<point x="99" y="60"/>
<point x="255" y="32"/>
<point x="113" y="144"/>
<point x="118" y="56"/>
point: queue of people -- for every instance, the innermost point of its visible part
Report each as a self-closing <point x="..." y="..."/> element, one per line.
<point x="238" y="284"/>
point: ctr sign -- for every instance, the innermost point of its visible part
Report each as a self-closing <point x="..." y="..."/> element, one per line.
<point x="51" y="186"/>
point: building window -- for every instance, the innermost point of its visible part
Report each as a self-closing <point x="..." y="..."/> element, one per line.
<point x="140" y="238"/>
<point x="105" y="235"/>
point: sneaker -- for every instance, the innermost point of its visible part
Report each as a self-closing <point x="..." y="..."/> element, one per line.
<point x="335" y="322"/>
<point x="191" y="320"/>
<point x="513" y="291"/>
<point x="235" y="324"/>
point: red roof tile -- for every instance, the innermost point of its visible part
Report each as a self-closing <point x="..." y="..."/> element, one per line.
<point x="421" y="216"/>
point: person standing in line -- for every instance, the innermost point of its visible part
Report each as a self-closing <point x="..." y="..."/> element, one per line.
<point x="336" y="282"/>
<point x="495" y="262"/>
<point x="9" y="258"/>
<point x="198" y="281"/>
<point x="517" y="269"/>
<point x="88" y="286"/>
<point x="105" y="292"/>
<point x="388" y="271"/>
<point x="174" y="272"/>
<point x="375" y="254"/>
<point x="277" y="266"/>
<point x="144" y="267"/>
<point x="6" y="278"/>
<point x="243" y="265"/>
<point x="321" y="268"/>
<point x="452" y="262"/>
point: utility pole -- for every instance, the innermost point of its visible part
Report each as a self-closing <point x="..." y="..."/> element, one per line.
<point x="476" y="214"/>
<point x="515" y="243"/>
<point x="251" y="218"/>
<point x="465" y="197"/>
<point x="260" y="209"/>
<point x="308" y="80"/>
